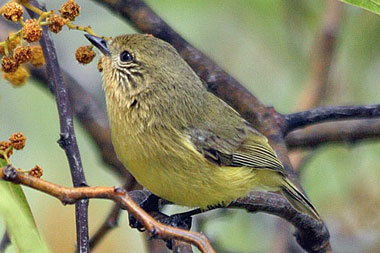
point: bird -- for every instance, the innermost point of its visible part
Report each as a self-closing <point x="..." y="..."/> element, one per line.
<point x="180" y="141"/>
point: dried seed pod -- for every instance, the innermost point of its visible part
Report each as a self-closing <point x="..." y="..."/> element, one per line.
<point x="37" y="171"/>
<point x="17" y="140"/>
<point x="8" y="64"/>
<point x="57" y="22"/>
<point x="12" y="11"/>
<point x="85" y="54"/>
<point x="4" y="145"/>
<point x="31" y="32"/>
<point x="22" y="54"/>
<point x="70" y="10"/>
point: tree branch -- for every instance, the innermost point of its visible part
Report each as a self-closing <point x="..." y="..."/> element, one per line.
<point x="349" y="132"/>
<point x="67" y="140"/>
<point x="73" y="195"/>
<point x="311" y="235"/>
<point x="319" y="115"/>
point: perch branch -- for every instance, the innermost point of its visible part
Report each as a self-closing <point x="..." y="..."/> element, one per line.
<point x="72" y="195"/>
<point x="67" y="140"/>
<point x="311" y="235"/>
<point x="319" y="115"/>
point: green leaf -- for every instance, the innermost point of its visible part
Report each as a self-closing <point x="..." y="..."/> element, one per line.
<point x="370" y="5"/>
<point x="15" y="210"/>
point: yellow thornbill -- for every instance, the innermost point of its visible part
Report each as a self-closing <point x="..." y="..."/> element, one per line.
<point x="179" y="140"/>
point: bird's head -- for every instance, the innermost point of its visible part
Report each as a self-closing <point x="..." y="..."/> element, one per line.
<point x="137" y="62"/>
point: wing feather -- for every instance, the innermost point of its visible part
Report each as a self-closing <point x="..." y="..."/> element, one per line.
<point x="249" y="149"/>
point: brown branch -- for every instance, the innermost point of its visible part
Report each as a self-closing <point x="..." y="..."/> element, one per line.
<point x="311" y="235"/>
<point x="111" y="220"/>
<point x="69" y="195"/>
<point x="349" y="132"/>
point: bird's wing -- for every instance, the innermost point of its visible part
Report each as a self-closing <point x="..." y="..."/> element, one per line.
<point x="245" y="147"/>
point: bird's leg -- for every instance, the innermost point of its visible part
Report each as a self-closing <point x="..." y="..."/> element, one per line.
<point x="180" y="220"/>
<point x="150" y="203"/>
<point x="147" y="201"/>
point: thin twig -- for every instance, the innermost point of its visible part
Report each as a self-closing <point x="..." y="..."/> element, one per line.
<point x="67" y="140"/>
<point x="346" y="132"/>
<point x="320" y="115"/>
<point x="72" y="195"/>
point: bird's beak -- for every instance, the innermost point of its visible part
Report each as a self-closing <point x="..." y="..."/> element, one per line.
<point x="100" y="43"/>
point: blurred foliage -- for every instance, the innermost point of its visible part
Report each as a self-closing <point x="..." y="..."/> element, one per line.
<point x="371" y="5"/>
<point x="17" y="215"/>
<point x="266" y="45"/>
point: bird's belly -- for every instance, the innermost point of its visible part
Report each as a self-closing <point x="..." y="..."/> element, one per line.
<point x="189" y="182"/>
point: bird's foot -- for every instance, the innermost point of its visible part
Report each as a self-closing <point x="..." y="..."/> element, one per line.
<point x="147" y="201"/>
<point x="181" y="220"/>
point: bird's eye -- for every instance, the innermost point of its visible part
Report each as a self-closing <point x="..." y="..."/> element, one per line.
<point x="126" y="56"/>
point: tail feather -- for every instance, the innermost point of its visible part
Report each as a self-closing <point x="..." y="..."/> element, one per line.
<point x="297" y="199"/>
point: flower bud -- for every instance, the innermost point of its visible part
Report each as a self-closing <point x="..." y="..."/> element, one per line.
<point x="17" y="140"/>
<point x="70" y="10"/>
<point x="84" y="54"/>
<point x="31" y="32"/>
<point x="12" y="11"/>
<point x="22" y="54"/>
<point x="8" y="64"/>
<point x="57" y="22"/>
<point x="4" y="145"/>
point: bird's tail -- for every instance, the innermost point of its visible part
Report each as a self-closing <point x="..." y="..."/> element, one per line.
<point x="298" y="200"/>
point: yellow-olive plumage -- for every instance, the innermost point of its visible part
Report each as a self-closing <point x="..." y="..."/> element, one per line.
<point x="179" y="140"/>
